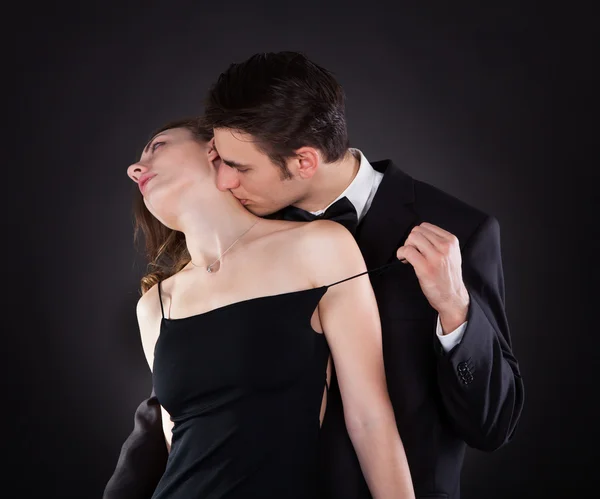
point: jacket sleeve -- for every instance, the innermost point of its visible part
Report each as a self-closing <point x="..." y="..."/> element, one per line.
<point x="479" y="379"/>
<point x="143" y="456"/>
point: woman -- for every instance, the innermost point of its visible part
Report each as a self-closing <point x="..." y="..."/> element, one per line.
<point x="237" y="319"/>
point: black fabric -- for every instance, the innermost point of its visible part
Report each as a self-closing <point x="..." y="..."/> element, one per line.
<point x="244" y="395"/>
<point x="143" y="455"/>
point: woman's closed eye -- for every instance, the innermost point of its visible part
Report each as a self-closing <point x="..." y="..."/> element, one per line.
<point x="156" y="145"/>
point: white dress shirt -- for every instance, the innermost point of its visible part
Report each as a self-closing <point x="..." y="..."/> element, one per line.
<point x="360" y="193"/>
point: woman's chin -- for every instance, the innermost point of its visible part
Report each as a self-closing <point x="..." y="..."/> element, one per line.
<point x="160" y="211"/>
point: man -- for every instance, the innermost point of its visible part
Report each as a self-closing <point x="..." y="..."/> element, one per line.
<point x="280" y="131"/>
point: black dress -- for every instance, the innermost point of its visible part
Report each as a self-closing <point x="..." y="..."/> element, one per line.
<point x="243" y="384"/>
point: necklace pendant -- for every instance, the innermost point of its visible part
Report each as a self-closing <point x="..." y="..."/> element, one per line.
<point x="213" y="267"/>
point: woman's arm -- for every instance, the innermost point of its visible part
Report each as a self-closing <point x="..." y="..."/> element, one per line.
<point x="167" y="427"/>
<point x="148" y="316"/>
<point x="350" y="320"/>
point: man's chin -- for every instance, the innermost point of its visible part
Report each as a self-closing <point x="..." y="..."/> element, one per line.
<point x="261" y="212"/>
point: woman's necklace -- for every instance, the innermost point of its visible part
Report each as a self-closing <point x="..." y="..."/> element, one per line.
<point x="210" y="269"/>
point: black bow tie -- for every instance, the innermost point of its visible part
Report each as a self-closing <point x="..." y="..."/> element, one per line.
<point x="342" y="211"/>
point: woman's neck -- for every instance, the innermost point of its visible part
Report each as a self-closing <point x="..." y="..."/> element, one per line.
<point x="211" y="230"/>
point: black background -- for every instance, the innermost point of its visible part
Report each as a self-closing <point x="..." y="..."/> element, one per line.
<point x="488" y="103"/>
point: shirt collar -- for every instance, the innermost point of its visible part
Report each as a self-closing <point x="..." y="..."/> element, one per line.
<point x="359" y="190"/>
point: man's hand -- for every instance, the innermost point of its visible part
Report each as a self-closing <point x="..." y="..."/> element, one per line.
<point x="435" y="255"/>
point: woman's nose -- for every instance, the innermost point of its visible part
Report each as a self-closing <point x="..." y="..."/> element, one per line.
<point x="135" y="171"/>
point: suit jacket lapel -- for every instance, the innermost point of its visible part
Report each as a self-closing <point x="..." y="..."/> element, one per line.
<point x="390" y="217"/>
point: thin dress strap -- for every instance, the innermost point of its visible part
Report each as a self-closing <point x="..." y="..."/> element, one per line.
<point x="378" y="269"/>
<point x="162" y="311"/>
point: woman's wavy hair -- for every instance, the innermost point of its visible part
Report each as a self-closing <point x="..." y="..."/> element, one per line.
<point x="164" y="249"/>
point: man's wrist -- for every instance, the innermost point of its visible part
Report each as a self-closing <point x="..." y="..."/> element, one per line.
<point x="454" y="315"/>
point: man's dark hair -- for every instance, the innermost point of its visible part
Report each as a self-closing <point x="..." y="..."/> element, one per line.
<point x="285" y="101"/>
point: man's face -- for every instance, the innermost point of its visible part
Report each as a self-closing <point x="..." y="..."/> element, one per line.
<point x="251" y="176"/>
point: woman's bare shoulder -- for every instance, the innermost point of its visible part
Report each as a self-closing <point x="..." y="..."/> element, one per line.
<point x="148" y="315"/>
<point x="148" y="306"/>
<point x="327" y="236"/>
<point x="330" y="251"/>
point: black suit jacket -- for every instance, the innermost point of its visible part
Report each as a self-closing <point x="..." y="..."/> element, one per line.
<point x="443" y="402"/>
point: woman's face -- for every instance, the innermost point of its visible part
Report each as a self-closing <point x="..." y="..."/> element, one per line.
<point x="173" y="165"/>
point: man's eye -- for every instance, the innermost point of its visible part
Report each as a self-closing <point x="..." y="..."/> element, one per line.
<point x="156" y="144"/>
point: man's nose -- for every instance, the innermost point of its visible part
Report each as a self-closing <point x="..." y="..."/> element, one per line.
<point x="227" y="178"/>
<point x="135" y="171"/>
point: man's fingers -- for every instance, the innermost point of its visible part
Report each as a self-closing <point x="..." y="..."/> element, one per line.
<point x="437" y="230"/>
<point x="410" y="254"/>
<point x="420" y="240"/>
